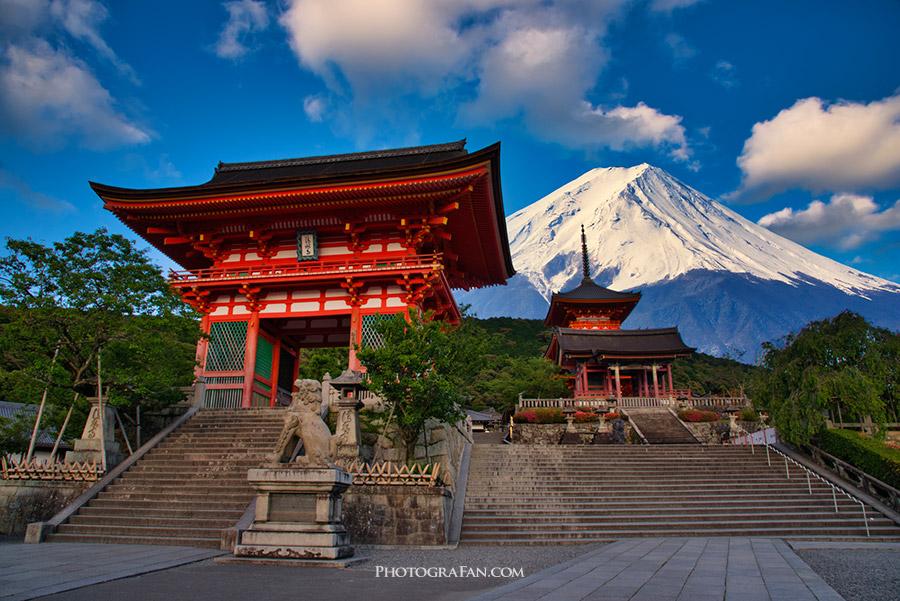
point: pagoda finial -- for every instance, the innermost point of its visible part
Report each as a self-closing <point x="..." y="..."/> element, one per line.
<point x="584" y="255"/>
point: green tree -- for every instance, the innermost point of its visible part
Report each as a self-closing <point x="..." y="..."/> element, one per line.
<point x="842" y="360"/>
<point x="419" y="369"/>
<point x="91" y="294"/>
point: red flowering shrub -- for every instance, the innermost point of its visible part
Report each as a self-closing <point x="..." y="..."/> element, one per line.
<point x="525" y="417"/>
<point x="614" y="415"/>
<point x="584" y="417"/>
<point x="694" y="415"/>
<point x="540" y="416"/>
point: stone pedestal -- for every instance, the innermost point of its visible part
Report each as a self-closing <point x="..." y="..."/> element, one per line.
<point x="90" y="446"/>
<point x="298" y="514"/>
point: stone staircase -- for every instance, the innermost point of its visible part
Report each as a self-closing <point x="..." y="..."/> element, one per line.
<point x="533" y="494"/>
<point x="187" y="489"/>
<point x="659" y="426"/>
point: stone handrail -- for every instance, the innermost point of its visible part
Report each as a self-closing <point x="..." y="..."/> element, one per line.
<point x="884" y="492"/>
<point x="809" y="474"/>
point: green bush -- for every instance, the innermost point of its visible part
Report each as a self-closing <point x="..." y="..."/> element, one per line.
<point x="869" y="455"/>
<point x="748" y="415"/>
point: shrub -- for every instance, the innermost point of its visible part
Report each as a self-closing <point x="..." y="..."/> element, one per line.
<point x="613" y="415"/>
<point x="585" y="417"/>
<point x="694" y="415"/>
<point x="869" y="455"/>
<point x="748" y="415"/>
<point x="540" y="416"/>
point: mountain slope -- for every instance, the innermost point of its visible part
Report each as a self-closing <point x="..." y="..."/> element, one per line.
<point x="728" y="283"/>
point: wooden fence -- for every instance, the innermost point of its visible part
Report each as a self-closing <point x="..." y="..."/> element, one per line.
<point x="45" y="470"/>
<point x="390" y="474"/>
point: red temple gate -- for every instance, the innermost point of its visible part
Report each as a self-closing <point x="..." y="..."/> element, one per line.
<point x="305" y="253"/>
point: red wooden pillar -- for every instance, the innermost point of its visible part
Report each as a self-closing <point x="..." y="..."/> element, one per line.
<point x="355" y="335"/>
<point x="655" y="382"/>
<point x="250" y="358"/>
<point x="671" y="386"/>
<point x="202" y="346"/>
<point x="276" y="365"/>
<point x="646" y="389"/>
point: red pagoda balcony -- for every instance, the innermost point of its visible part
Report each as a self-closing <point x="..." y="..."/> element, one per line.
<point x="308" y="270"/>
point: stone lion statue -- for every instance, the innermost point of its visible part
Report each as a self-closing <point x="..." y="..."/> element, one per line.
<point x="304" y="422"/>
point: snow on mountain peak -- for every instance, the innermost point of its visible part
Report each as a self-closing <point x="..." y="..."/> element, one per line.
<point x="644" y="226"/>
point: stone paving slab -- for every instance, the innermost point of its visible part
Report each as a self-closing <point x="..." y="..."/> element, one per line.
<point x="30" y="571"/>
<point x="675" y="569"/>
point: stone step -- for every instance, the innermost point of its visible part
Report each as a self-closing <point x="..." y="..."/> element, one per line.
<point x="167" y="510"/>
<point x="688" y="488"/>
<point x="669" y="518"/>
<point x="129" y="487"/>
<point x="524" y="508"/>
<point x="142" y="531"/>
<point x="163" y="502"/>
<point x="557" y="495"/>
<point x="683" y="524"/>
<point x="591" y="538"/>
<point x="159" y="522"/>
<point x="178" y="541"/>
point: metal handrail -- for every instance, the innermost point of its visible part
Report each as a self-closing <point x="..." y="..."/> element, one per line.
<point x="809" y="473"/>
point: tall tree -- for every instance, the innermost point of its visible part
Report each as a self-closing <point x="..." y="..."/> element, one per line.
<point x="842" y="360"/>
<point x="419" y="368"/>
<point x="93" y="293"/>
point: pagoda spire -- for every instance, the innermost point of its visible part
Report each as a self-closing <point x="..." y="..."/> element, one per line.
<point x="584" y="255"/>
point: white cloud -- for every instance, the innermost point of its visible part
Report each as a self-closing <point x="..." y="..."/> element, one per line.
<point x="245" y="17"/>
<point x="670" y="5"/>
<point x="508" y="59"/>
<point x="846" y="221"/>
<point x="844" y="146"/>
<point x="725" y="74"/>
<point x="81" y="19"/>
<point x="679" y="47"/>
<point x="314" y="107"/>
<point x="47" y="96"/>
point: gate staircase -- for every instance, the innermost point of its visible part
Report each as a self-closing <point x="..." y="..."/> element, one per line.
<point x="659" y="426"/>
<point x="187" y="489"/>
<point x="536" y="494"/>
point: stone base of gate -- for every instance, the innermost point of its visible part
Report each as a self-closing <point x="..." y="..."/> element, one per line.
<point x="298" y="515"/>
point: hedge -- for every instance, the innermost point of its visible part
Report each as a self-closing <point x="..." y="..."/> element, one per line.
<point x="539" y="416"/>
<point x="694" y="415"/>
<point x="869" y="455"/>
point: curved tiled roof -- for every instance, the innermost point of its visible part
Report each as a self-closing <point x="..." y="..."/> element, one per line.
<point x="660" y="342"/>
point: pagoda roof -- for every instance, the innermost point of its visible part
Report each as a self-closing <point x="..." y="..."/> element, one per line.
<point x="620" y="344"/>
<point x="590" y="291"/>
<point x="326" y="191"/>
<point x="586" y="294"/>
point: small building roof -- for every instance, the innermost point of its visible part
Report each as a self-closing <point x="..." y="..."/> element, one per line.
<point x="11" y="410"/>
<point x="477" y="416"/>
<point x="621" y="344"/>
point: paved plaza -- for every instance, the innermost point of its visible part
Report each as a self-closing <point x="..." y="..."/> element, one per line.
<point x="639" y="569"/>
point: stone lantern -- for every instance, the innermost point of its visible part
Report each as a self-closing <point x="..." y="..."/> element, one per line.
<point x="569" y="412"/>
<point x="349" y="386"/>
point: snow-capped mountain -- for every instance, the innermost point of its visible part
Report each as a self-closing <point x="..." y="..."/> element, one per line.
<point x="728" y="283"/>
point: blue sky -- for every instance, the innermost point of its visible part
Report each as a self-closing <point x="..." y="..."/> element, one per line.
<point x="788" y="111"/>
